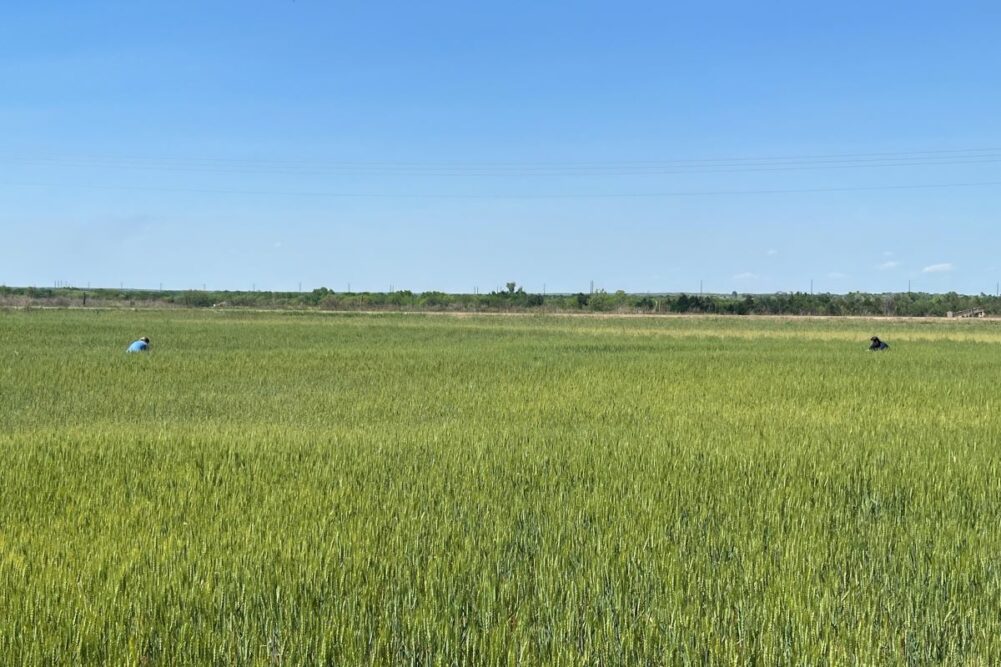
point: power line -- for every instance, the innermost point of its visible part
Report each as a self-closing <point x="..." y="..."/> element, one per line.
<point x="655" y="167"/>
<point x="527" y="171"/>
<point x="894" y="155"/>
<point x="588" y="195"/>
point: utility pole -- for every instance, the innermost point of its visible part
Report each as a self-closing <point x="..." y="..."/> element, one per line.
<point x="700" y="288"/>
<point x="592" y="287"/>
<point x="908" y="286"/>
<point x="300" y="286"/>
<point x="811" y="286"/>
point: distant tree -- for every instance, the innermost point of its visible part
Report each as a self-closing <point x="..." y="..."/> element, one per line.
<point x="433" y="299"/>
<point x="316" y="295"/>
<point x="330" y="301"/>
<point x="194" y="299"/>
<point x="645" y="303"/>
<point x="682" y="304"/>
<point x="601" y="301"/>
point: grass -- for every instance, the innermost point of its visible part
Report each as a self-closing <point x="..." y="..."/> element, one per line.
<point x="401" y="489"/>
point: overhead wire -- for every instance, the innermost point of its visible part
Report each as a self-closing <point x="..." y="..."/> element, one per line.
<point x="306" y="167"/>
<point x="503" y="196"/>
<point x="699" y="166"/>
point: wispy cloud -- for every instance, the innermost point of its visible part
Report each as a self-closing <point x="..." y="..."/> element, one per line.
<point x="746" y="275"/>
<point x="892" y="264"/>
<point x="937" y="268"/>
<point x="772" y="252"/>
<point x="887" y="253"/>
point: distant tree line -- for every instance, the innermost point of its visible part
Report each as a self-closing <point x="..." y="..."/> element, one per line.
<point x="515" y="299"/>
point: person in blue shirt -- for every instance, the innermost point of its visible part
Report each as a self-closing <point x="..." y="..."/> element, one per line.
<point x="141" y="345"/>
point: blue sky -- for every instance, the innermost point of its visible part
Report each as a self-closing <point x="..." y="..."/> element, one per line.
<point x="645" y="146"/>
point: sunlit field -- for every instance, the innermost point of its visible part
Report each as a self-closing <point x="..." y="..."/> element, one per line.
<point x="311" y="489"/>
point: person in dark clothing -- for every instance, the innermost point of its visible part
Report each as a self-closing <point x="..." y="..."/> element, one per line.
<point x="875" y="344"/>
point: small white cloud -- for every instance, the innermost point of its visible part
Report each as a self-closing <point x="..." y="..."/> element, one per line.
<point x="887" y="253"/>
<point x="892" y="264"/>
<point x="278" y="244"/>
<point x="937" y="268"/>
<point x="746" y="275"/>
<point x="772" y="252"/>
<point x="837" y="275"/>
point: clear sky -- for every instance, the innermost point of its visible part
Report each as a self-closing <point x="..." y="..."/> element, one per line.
<point x="752" y="146"/>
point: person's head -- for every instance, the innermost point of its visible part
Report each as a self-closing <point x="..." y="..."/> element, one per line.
<point x="145" y="339"/>
<point x="874" y="339"/>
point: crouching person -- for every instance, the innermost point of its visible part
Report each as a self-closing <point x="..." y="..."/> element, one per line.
<point x="141" y="345"/>
<point x="875" y="344"/>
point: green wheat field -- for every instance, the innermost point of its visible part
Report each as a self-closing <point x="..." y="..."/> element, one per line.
<point x="317" y="489"/>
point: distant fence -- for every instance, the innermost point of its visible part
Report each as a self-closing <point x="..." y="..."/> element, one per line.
<point x="969" y="312"/>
